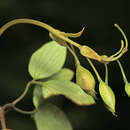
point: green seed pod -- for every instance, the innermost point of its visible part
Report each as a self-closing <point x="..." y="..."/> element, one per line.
<point x="127" y="88"/>
<point x="107" y="96"/>
<point x="85" y="80"/>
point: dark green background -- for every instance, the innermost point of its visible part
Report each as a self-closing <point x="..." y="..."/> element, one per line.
<point x="20" y="41"/>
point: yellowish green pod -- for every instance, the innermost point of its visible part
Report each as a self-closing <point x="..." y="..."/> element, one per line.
<point x="85" y="80"/>
<point x="89" y="53"/>
<point x="127" y="88"/>
<point x="107" y="96"/>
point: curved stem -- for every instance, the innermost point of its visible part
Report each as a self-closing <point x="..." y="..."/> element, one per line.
<point x="122" y="71"/>
<point x="106" y="75"/>
<point x="23" y="94"/>
<point x="29" y="21"/>
<point x="122" y="46"/>
<point x="12" y="105"/>
<point x="96" y="72"/>
<point x="74" y="35"/>
<point x="41" y="24"/>
<point x="74" y="54"/>
<point x="26" y="90"/>
<point x="122" y="32"/>
<point x="117" y="57"/>
<point x="24" y="112"/>
<point x="111" y="58"/>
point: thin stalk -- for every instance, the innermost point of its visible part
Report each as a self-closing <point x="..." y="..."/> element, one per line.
<point x="23" y="94"/>
<point x="122" y="32"/>
<point x="28" y="21"/>
<point x="122" y="46"/>
<point x="25" y="91"/>
<point x="41" y="24"/>
<point x="106" y="75"/>
<point x="111" y="58"/>
<point x="74" y="54"/>
<point x="24" y="112"/>
<point x="96" y="72"/>
<point x="122" y="71"/>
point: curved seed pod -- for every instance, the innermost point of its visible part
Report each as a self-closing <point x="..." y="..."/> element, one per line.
<point x="107" y="96"/>
<point x="127" y="89"/>
<point x="85" y="80"/>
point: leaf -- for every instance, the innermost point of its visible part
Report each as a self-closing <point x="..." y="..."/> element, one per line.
<point x="47" y="60"/>
<point x="63" y="74"/>
<point x="37" y="96"/>
<point x="68" y="89"/>
<point x="50" y="117"/>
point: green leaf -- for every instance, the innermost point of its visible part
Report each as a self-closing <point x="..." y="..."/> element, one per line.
<point x="68" y="89"/>
<point x="50" y="117"/>
<point x="37" y="96"/>
<point x="63" y="74"/>
<point x="47" y="60"/>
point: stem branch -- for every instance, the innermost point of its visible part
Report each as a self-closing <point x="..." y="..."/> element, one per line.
<point x="96" y="72"/>
<point x="2" y="118"/>
<point x="40" y="24"/>
<point x="23" y="94"/>
<point x="122" y="71"/>
<point x="106" y="75"/>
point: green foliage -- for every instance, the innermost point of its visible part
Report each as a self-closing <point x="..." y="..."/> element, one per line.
<point x="63" y="74"/>
<point x="50" y="117"/>
<point x="37" y="96"/>
<point x="68" y="89"/>
<point x="47" y="60"/>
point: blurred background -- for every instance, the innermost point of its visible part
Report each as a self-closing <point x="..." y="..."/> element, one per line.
<point x="20" y="41"/>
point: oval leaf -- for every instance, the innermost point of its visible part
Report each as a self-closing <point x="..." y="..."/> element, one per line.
<point x="47" y="60"/>
<point x="50" y="117"/>
<point x="37" y="96"/>
<point x="69" y="90"/>
<point x="63" y="74"/>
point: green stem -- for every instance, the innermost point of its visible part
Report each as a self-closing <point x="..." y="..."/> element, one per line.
<point x="74" y="54"/>
<point x="40" y="24"/>
<point x="122" y="71"/>
<point x="106" y="75"/>
<point x="24" y="112"/>
<point x="96" y="72"/>
<point x="120" y="51"/>
<point x="122" y="32"/>
<point x="12" y="105"/>
<point x="25" y="91"/>
<point x="23" y="94"/>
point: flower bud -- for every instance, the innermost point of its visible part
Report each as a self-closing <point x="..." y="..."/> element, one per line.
<point x="107" y="96"/>
<point x="89" y="53"/>
<point x="85" y="80"/>
<point x="127" y="88"/>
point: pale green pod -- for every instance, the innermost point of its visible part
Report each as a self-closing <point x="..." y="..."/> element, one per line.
<point x="107" y="96"/>
<point x="127" y="89"/>
<point x="85" y="80"/>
